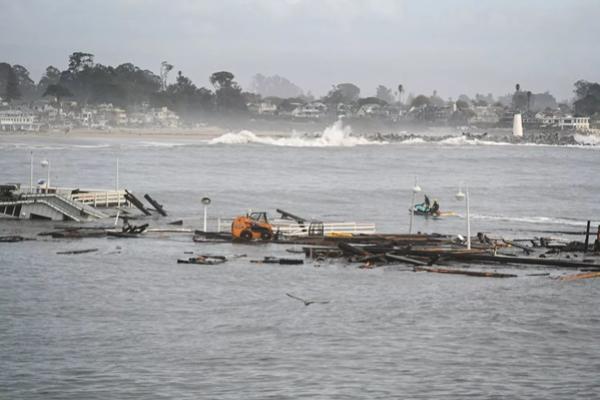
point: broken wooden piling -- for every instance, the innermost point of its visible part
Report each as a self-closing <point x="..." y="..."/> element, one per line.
<point x="157" y="206"/>
<point x="138" y="204"/>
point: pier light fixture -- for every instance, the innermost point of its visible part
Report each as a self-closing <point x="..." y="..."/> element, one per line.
<point x="46" y="164"/>
<point x="206" y="202"/>
<point x="460" y="196"/>
<point x="416" y="189"/>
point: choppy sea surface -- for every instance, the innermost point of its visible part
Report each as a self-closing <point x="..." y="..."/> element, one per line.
<point x="128" y="322"/>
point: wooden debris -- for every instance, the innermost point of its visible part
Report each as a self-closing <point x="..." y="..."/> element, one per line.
<point x="202" y="237"/>
<point x="83" y="251"/>
<point x="136" y="228"/>
<point x="520" y="260"/>
<point x="485" y="274"/>
<point x="275" y="260"/>
<point x="12" y="239"/>
<point x="585" y="275"/>
<point x="204" y="260"/>
<point x="404" y="259"/>
<point x="138" y="204"/>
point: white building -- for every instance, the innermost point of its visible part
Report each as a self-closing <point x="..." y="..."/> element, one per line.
<point x="310" y="110"/>
<point x="265" y="108"/>
<point x="484" y="115"/>
<point x="165" y="117"/>
<point x="367" y="110"/>
<point x="565" y="122"/>
<point x="16" y="120"/>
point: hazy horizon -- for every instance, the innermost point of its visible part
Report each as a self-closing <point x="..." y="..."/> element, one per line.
<point x="457" y="47"/>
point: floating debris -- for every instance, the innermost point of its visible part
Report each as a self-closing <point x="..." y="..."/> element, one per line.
<point x="585" y="275"/>
<point x="486" y="274"/>
<point x="83" y="251"/>
<point x="12" y="239"/>
<point x="275" y="260"/>
<point x="306" y="302"/>
<point x="204" y="260"/>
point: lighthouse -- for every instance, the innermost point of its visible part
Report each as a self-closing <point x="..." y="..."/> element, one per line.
<point x="517" y="126"/>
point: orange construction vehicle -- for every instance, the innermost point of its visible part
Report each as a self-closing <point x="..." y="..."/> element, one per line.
<point x="253" y="226"/>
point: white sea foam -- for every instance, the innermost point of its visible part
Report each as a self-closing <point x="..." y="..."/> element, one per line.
<point x="462" y="140"/>
<point x="590" y="140"/>
<point x="335" y="135"/>
<point x="414" y="141"/>
<point x="531" y="220"/>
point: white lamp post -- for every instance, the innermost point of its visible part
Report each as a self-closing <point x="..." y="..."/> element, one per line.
<point x="460" y="196"/>
<point x="31" y="173"/>
<point x="416" y="189"/>
<point x="46" y="163"/>
<point x="206" y="203"/>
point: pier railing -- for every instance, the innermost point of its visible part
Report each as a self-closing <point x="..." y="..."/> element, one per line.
<point x="101" y="199"/>
<point x="90" y="197"/>
<point x="292" y="228"/>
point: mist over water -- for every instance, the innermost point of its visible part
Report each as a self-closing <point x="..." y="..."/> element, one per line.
<point x="128" y="322"/>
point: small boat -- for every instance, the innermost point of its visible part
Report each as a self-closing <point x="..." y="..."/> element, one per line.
<point x="434" y="215"/>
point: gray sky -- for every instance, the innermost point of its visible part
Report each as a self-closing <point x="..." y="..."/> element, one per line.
<point x="461" y="46"/>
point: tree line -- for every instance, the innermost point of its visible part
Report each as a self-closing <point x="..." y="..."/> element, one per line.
<point x="124" y="86"/>
<point x="127" y="85"/>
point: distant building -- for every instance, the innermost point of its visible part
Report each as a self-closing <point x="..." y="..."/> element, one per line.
<point x="17" y="120"/>
<point x="266" y="108"/>
<point x="484" y="115"/>
<point x="369" y="110"/>
<point x="119" y="117"/>
<point x="564" y="122"/>
<point x="164" y="117"/>
<point x="311" y="110"/>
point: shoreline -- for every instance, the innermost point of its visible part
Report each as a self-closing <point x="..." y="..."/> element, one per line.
<point x="210" y="132"/>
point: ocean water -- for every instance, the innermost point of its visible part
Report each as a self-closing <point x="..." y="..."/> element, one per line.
<point x="128" y="322"/>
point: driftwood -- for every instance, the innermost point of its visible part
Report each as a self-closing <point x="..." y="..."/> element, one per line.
<point x="484" y="274"/>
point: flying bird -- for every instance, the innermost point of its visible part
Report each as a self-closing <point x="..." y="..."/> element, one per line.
<point x="306" y="302"/>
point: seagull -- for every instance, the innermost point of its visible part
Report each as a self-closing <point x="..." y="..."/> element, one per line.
<point x="307" y="302"/>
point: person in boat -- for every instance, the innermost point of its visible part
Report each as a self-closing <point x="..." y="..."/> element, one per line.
<point x="435" y="208"/>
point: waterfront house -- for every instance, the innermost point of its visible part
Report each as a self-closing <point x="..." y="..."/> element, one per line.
<point x="17" y="120"/>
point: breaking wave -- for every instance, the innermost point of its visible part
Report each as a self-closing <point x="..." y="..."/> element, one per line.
<point x="335" y="135"/>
